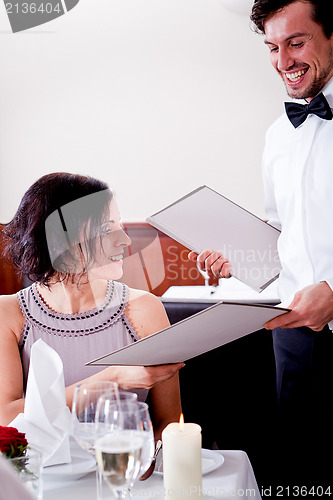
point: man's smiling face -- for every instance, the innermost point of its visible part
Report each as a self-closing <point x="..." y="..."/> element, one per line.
<point x="300" y="51"/>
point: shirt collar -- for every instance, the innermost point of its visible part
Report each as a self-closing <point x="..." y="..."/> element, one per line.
<point x="328" y="92"/>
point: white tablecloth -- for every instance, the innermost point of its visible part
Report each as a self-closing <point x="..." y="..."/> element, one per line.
<point x="229" y="289"/>
<point x="233" y="479"/>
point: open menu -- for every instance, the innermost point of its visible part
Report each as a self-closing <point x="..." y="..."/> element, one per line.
<point x="208" y="329"/>
<point x="206" y="219"/>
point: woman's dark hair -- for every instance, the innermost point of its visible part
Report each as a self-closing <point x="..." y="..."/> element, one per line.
<point x="322" y="13"/>
<point x="50" y="209"/>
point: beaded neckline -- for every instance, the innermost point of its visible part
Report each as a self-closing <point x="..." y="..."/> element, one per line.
<point x="74" y="316"/>
<point x="60" y="324"/>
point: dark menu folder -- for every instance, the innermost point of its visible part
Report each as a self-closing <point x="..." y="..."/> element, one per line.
<point x="206" y="219"/>
<point x="215" y="326"/>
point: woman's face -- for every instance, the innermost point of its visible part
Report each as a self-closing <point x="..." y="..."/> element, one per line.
<point x="110" y="247"/>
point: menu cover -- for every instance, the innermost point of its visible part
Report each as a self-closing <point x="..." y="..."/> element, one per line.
<point x="206" y="219"/>
<point x="213" y="327"/>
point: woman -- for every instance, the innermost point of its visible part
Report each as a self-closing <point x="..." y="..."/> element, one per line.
<point x="67" y="237"/>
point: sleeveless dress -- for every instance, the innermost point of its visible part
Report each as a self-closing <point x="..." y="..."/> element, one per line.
<point x="77" y="338"/>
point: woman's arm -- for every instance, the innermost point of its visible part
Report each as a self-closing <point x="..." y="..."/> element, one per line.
<point x="11" y="376"/>
<point x="130" y="377"/>
<point x="164" y="404"/>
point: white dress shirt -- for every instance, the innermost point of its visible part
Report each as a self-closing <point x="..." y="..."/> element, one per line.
<point x="298" y="183"/>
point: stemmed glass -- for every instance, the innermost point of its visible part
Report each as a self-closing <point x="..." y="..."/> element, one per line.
<point x="204" y="274"/>
<point x="124" y="443"/>
<point x="149" y="447"/>
<point x="206" y="278"/>
<point x="86" y="396"/>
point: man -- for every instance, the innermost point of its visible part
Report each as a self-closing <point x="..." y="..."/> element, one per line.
<point x="298" y="181"/>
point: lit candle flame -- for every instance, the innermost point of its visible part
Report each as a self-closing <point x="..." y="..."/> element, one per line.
<point x="181" y="422"/>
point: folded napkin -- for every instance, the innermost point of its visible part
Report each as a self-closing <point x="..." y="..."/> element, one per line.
<point x="46" y="419"/>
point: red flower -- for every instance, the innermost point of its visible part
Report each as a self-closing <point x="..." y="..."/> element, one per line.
<point x="12" y="442"/>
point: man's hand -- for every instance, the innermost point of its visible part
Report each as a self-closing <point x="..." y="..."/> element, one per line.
<point x="311" y="307"/>
<point x="215" y="265"/>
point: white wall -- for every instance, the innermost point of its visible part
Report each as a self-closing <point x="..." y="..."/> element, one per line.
<point x="142" y="94"/>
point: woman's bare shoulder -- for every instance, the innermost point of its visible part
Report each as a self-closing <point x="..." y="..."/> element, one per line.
<point x="146" y="312"/>
<point x="140" y="299"/>
<point x="135" y="293"/>
<point x="10" y="301"/>
<point x="11" y="316"/>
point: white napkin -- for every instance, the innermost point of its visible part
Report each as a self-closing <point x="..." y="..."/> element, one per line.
<point x="46" y="418"/>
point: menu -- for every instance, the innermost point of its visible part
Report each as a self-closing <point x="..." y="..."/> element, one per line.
<point x="208" y="329"/>
<point x="206" y="219"/>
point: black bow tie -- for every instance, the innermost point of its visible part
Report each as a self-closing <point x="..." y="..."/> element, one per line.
<point x="298" y="113"/>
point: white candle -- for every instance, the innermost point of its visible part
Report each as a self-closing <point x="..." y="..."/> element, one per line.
<point x="182" y="475"/>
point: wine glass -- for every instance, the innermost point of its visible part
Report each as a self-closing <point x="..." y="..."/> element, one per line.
<point x="86" y="396"/>
<point x="204" y="274"/>
<point x="149" y="443"/>
<point x="122" y="445"/>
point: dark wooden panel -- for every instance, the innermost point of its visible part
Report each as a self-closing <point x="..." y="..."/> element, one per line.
<point x="156" y="261"/>
<point x="10" y="282"/>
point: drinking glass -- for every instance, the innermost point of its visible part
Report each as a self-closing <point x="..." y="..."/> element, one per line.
<point x="28" y="468"/>
<point x="149" y="443"/>
<point x="123" y="443"/>
<point x="86" y="396"/>
<point x="204" y="274"/>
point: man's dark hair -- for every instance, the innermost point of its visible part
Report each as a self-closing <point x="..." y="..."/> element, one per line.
<point x="25" y="236"/>
<point x="322" y="11"/>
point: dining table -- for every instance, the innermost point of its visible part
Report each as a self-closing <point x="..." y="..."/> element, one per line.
<point x="230" y="289"/>
<point x="232" y="477"/>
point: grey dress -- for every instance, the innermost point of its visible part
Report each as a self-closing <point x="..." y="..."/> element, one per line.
<point x="77" y="338"/>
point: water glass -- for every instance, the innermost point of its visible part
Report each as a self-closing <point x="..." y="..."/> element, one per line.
<point x="123" y="444"/>
<point x="28" y="468"/>
<point x="86" y="396"/>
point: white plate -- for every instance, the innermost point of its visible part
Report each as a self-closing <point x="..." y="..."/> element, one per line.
<point x="210" y="459"/>
<point x="82" y="463"/>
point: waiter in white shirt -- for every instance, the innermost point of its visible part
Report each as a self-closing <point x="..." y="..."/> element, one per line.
<point x="298" y="182"/>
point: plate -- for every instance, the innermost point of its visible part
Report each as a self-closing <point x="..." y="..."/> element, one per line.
<point x="210" y="460"/>
<point x="82" y="463"/>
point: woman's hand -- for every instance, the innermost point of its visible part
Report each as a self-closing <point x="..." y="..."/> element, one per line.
<point x="141" y="377"/>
